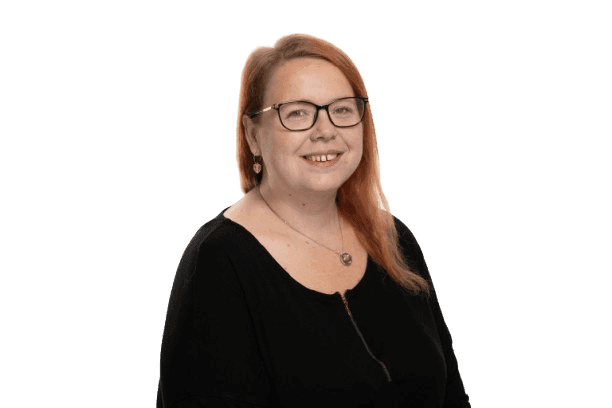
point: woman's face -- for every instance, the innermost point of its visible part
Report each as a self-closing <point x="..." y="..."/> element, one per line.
<point x="283" y="151"/>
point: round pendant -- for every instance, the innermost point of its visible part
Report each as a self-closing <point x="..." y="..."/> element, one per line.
<point x="346" y="258"/>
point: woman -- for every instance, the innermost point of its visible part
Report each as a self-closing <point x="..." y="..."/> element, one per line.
<point x="306" y="293"/>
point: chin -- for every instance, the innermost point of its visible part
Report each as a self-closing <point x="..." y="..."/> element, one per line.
<point x="326" y="185"/>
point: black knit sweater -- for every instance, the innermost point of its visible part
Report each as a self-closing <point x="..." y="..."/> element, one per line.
<point x="241" y="332"/>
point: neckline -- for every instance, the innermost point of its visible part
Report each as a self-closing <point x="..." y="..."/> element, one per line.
<point x="349" y="293"/>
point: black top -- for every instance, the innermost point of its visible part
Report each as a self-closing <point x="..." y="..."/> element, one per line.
<point x="241" y="332"/>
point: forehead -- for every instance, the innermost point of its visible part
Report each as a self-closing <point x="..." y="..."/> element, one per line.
<point x="309" y="79"/>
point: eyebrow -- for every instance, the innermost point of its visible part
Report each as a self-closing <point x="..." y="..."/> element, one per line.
<point x="304" y="100"/>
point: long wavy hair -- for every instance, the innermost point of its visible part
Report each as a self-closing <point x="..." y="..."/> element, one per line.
<point x="360" y="199"/>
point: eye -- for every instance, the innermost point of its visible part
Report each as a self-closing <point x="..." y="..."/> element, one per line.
<point x="297" y="113"/>
<point x="343" y="110"/>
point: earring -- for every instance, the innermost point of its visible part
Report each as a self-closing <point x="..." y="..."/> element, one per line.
<point x="256" y="166"/>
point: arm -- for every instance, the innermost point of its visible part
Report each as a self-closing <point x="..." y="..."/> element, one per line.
<point x="209" y="355"/>
<point x="455" y="396"/>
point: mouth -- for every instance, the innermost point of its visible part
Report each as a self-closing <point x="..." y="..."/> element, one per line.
<point x="323" y="161"/>
<point x="323" y="157"/>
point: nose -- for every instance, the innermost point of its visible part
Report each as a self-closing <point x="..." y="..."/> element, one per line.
<point x="323" y="128"/>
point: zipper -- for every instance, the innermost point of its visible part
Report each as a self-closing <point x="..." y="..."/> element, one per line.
<point x="384" y="367"/>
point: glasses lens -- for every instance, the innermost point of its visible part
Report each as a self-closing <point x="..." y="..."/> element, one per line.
<point x="347" y="112"/>
<point x="297" y="115"/>
<point x="344" y="112"/>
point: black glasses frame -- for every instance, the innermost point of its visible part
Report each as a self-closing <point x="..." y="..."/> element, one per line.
<point x="316" y="116"/>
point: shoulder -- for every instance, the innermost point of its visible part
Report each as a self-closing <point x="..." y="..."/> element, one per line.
<point x="406" y="238"/>
<point x="411" y="249"/>
<point x="215" y="242"/>
<point x="216" y="263"/>
<point x="404" y="232"/>
<point x="217" y="232"/>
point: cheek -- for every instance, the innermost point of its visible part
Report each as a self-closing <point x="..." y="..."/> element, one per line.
<point x="278" y="146"/>
<point x="270" y="139"/>
<point x="357" y="141"/>
<point x="358" y="148"/>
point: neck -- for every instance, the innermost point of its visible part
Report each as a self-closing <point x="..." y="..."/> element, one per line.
<point x="316" y="211"/>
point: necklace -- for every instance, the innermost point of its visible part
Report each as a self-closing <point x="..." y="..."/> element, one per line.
<point x="346" y="258"/>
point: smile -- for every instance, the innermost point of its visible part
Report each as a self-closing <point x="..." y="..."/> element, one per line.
<point x="323" y="160"/>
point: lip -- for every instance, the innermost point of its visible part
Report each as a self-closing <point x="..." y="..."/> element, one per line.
<point x="327" y="163"/>
<point x="323" y="152"/>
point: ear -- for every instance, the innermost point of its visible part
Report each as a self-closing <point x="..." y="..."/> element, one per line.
<point x="250" y="131"/>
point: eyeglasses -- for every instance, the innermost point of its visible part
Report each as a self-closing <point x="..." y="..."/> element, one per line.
<point x="302" y="115"/>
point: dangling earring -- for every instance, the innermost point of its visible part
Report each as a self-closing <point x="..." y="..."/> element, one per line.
<point x="256" y="166"/>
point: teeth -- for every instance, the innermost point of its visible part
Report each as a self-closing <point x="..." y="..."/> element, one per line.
<point x="322" y="158"/>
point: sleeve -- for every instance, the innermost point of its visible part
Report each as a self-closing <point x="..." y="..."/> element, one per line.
<point x="455" y="396"/>
<point x="209" y="355"/>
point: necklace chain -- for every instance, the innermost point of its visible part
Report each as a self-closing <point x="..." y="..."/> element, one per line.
<point x="345" y="258"/>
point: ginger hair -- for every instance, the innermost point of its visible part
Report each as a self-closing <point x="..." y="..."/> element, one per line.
<point x="361" y="201"/>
